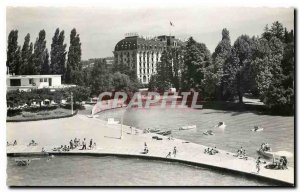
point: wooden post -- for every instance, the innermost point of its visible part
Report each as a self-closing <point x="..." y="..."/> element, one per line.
<point x="72" y="103"/>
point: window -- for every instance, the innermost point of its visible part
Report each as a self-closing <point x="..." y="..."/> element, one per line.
<point x="15" y="82"/>
<point x="45" y="80"/>
<point x="41" y="79"/>
<point x="31" y="81"/>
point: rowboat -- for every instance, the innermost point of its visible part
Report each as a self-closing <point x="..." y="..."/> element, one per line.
<point x="93" y="116"/>
<point x="208" y="132"/>
<point x="267" y="154"/>
<point x="22" y="162"/>
<point x="154" y="130"/>
<point x="221" y="125"/>
<point x="165" y="132"/>
<point x="257" y="129"/>
<point x="188" y="127"/>
<point x="111" y="121"/>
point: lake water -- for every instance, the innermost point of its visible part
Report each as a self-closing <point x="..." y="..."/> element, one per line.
<point x="278" y="130"/>
<point x="112" y="171"/>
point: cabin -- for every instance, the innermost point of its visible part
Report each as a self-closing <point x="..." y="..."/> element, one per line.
<point x="28" y="82"/>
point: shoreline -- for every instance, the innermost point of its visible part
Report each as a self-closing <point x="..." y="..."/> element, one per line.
<point x="132" y="145"/>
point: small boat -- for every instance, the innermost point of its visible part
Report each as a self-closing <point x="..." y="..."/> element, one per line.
<point x="154" y="137"/>
<point x="111" y="121"/>
<point x="188" y="127"/>
<point x="267" y="154"/>
<point x="165" y="132"/>
<point x="257" y="129"/>
<point x="154" y="130"/>
<point x="22" y="162"/>
<point x="93" y="116"/>
<point x="221" y="125"/>
<point x="208" y="132"/>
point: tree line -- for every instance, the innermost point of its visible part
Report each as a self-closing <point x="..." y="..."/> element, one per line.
<point x="262" y="66"/>
<point x="100" y="78"/>
<point x="35" y="59"/>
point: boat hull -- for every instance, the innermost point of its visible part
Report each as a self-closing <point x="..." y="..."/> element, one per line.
<point x="266" y="154"/>
<point x="187" y="127"/>
<point x="257" y="130"/>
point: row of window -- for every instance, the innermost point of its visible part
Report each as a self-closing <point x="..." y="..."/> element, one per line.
<point x="146" y="47"/>
<point x="142" y="54"/>
<point x="43" y="80"/>
<point x="144" y="65"/>
<point x="148" y="59"/>
<point x="144" y="71"/>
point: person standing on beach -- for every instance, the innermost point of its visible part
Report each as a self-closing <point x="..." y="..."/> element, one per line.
<point x="174" y="151"/>
<point x="71" y="144"/>
<point x="258" y="162"/>
<point x="146" y="148"/>
<point x="75" y="143"/>
<point x="83" y="144"/>
<point x="91" y="143"/>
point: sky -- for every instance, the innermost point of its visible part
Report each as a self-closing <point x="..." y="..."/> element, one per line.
<point x="100" y="29"/>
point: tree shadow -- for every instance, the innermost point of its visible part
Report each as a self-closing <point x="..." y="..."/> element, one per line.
<point x="241" y="108"/>
<point x="110" y="137"/>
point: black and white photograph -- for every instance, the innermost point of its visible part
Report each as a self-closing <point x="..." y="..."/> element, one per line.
<point x="149" y="96"/>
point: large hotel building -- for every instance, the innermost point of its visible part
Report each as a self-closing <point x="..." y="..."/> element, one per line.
<point x="142" y="54"/>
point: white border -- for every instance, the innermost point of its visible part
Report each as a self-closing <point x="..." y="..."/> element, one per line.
<point x="116" y="4"/>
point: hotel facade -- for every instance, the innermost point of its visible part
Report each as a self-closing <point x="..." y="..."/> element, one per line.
<point x="142" y="54"/>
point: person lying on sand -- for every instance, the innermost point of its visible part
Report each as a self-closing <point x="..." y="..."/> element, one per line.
<point x="32" y="143"/>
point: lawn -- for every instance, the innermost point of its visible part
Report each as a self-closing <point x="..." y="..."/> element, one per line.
<point x="25" y="115"/>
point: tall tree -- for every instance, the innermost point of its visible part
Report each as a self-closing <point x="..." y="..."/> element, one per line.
<point x="277" y="30"/>
<point x="18" y="61"/>
<point x="58" y="54"/>
<point x="13" y="52"/>
<point x="238" y="68"/>
<point x="214" y="73"/>
<point x="39" y="53"/>
<point x="45" y="70"/>
<point x="177" y="66"/>
<point x="266" y="63"/>
<point x="101" y="78"/>
<point x="168" y="70"/>
<point x="267" y="34"/>
<point x="121" y="82"/>
<point x="26" y="56"/>
<point x="196" y="58"/>
<point x="74" y="58"/>
<point x="274" y="67"/>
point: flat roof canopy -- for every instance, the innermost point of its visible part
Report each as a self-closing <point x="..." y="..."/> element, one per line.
<point x="30" y="76"/>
